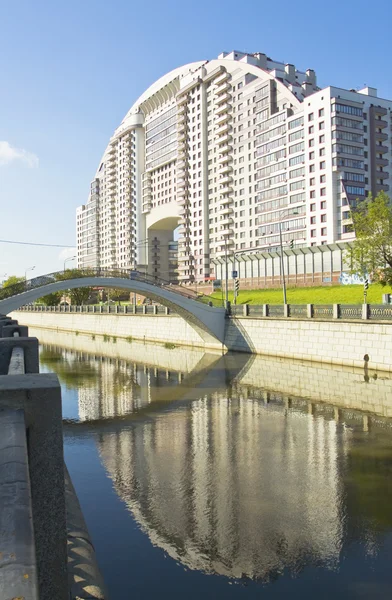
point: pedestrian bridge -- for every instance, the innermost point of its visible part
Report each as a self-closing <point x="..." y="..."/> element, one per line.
<point x="207" y="321"/>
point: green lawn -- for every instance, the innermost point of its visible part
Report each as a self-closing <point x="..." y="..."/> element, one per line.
<point x="336" y="294"/>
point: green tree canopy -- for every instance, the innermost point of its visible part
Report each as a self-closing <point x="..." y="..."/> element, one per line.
<point x="77" y="295"/>
<point x="51" y="299"/>
<point x="12" y="285"/>
<point x="371" y="252"/>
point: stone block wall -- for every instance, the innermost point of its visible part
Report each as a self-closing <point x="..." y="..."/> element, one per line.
<point x="332" y="342"/>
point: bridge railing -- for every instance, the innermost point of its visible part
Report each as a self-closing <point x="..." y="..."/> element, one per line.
<point x="42" y="280"/>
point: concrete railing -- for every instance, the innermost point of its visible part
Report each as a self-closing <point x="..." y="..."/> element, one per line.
<point x="374" y="312"/>
<point x="129" y="309"/>
<point x="35" y="525"/>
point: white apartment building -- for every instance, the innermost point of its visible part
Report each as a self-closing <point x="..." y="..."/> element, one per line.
<point x="220" y="154"/>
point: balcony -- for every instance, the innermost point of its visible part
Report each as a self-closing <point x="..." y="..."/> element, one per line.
<point x="222" y="119"/>
<point x="225" y="168"/>
<point x="223" y="108"/>
<point x="182" y="149"/>
<point x="182" y="100"/>
<point x="224" y="87"/>
<point x="382" y="187"/>
<point x="226" y="189"/>
<point x="222" y="99"/>
<point x="222" y="141"/>
<point x="226" y="211"/>
<point x="226" y="179"/>
<point x="380" y="123"/>
<point x="380" y="136"/>
<point x="181" y="136"/>
<point x="381" y="174"/>
<point x="225" y="128"/>
<point x="380" y="148"/>
<point x="226" y="230"/>
<point x="382" y="162"/>
<point x="225" y="158"/>
<point x="222" y="77"/>
<point x="226" y="221"/>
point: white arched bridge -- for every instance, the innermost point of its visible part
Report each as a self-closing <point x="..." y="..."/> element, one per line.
<point x="208" y="321"/>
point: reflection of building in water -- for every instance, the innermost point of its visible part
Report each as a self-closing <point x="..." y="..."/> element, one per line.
<point x="121" y="388"/>
<point x="234" y="486"/>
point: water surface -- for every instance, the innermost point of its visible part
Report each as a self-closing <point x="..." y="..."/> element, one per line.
<point x="217" y="479"/>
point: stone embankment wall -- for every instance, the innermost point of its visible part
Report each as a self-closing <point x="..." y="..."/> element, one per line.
<point x="332" y="342"/>
<point x="150" y="328"/>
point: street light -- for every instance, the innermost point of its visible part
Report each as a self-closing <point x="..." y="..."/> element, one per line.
<point x="68" y="259"/>
<point x="27" y="270"/>
<point x="281" y="251"/>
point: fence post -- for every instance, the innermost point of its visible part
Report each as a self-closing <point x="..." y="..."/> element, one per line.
<point x="365" y="311"/>
<point x="144" y="309"/>
<point x="246" y="310"/>
<point x="265" y="310"/>
<point x="285" y="310"/>
<point x="309" y="311"/>
<point x="335" y="311"/>
<point x="155" y="309"/>
<point x="166" y="310"/>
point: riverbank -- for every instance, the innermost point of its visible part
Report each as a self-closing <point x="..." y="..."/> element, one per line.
<point x="352" y="343"/>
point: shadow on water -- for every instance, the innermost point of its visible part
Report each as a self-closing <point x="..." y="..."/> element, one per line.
<point x="248" y="469"/>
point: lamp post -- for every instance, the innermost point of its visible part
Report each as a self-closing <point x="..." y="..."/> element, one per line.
<point x="68" y="259"/>
<point x="226" y="276"/>
<point x="27" y="270"/>
<point x="284" y="214"/>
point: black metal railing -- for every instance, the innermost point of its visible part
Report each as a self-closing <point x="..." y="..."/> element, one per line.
<point x="126" y="274"/>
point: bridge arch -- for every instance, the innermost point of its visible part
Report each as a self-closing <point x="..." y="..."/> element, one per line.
<point x="207" y="321"/>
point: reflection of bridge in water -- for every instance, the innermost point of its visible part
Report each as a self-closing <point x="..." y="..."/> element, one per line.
<point x="223" y="474"/>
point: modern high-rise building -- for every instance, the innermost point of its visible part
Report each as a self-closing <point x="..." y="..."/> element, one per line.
<point x="217" y="156"/>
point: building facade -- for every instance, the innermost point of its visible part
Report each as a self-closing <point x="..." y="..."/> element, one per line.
<point x="217" y="157"/>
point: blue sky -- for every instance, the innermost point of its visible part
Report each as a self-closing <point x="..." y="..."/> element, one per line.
<point x="69" y="71"/>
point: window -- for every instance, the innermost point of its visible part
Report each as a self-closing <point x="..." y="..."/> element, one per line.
<point x="322" y="164"/>
<point x="322" y="139"/>
<point x="323" y="218"/>
<point x="311" y="142"/>
<point x="312" y="233"/>
<point x="350" y="110"/>
<point x="311" y="169"/>
<point x="323" y="231"/>
<point x="321" y="112"/>
<point x="310" y="116"/>
<point x="323" y="192"/>
<point x="321" y="125"/>
<point x="312" y="220"/>
<point x="313" y="194"/>
<point x="311" y="155"/>
<point x="312" y="207"/>
<point x="323" y="178"/>
<point x="323" y="205"/>
<point x="322" y="152"/>
<point x="312" y="181"/>
<point x="296" y="123"/>
<point x="311" y="129"/>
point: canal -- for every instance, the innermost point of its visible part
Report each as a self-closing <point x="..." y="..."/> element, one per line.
<point x="234" y="477"/>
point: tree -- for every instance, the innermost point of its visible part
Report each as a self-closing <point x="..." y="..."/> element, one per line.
<point x="50" y="299"/>
<point x="78" y="295"/>
<point x="371" y="252"/>
<point x="13" y="285"/>
<point x="117" y="294"/>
